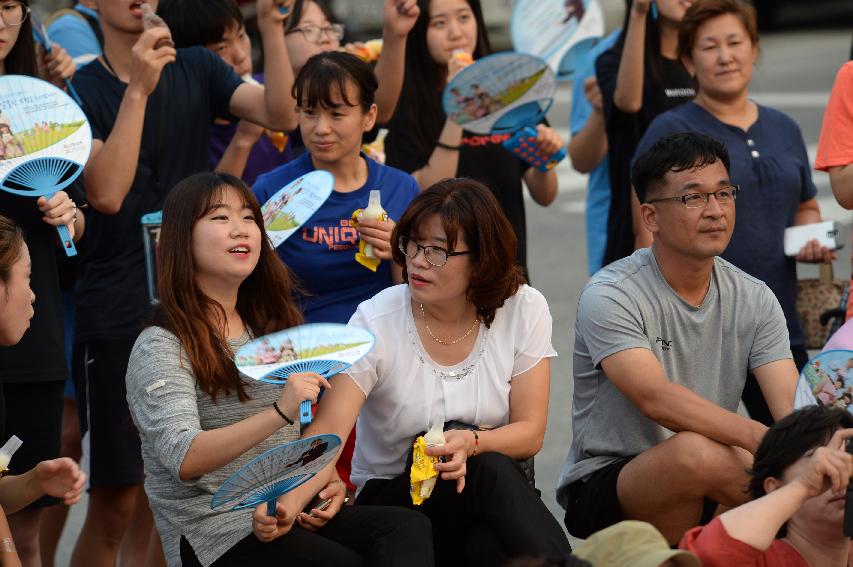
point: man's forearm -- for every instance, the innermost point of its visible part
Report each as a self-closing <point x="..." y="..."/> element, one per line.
<point x="110" y="172"/>
<point x="680" y="409"/>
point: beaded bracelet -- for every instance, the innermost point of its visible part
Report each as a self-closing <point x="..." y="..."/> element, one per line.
<point x="281" y="413"/>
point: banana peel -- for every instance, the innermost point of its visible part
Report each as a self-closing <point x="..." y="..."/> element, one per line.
<point x="365" y="256"/>
<point x="423" y="474"/>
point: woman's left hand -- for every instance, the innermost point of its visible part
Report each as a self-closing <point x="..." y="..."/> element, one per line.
<point x="316" y="519"/>
<point x="547" y="140"/>
<point x="58" y="210"/>
<point x="56" y="66"/>
<point x="377" y="233"/>
<point x="455" y="450"/>
<point x="813" y="253"/>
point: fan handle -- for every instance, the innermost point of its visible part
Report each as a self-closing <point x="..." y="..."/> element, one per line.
<point x="271" y="507"/>
<point x="65" y="236"/>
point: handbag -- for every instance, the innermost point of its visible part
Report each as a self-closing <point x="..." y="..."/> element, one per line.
<point x="816" y="297"/>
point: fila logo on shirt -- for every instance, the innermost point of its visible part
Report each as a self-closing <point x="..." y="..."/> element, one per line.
<point x="664" y="344"/>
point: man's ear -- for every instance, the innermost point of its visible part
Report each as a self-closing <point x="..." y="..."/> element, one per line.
<point x="647" y="214"/>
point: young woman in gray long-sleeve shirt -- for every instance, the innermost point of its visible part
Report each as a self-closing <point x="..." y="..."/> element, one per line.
<point x="220" y="282"/>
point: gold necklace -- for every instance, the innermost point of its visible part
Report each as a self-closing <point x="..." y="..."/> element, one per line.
<point x="441" y="342"/>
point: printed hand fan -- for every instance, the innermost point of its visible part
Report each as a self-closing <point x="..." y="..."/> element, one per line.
<point x="827" y="380"/>
<point x="558" y="31"/>
<point x="40" y="35"/>
<point x="324" y="348"/>
<point x="151" y="241"/>
<point x="276" y="472"/>
<point x="505" y="92"/>
<point x="295" y="203"/>
<point x="45" y="140"/>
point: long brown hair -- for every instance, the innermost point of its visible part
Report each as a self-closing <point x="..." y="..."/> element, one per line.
<point x="264" y="300"/>
<point x="466" y="206"/>
<point x="11" y="243"/>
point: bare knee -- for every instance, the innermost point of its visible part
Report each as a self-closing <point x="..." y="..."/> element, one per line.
<point x="705" y="460"/>
<point x="111" y="509"/>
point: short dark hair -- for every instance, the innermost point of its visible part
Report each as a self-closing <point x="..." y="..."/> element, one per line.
<point x="700" y="12"/>
<point x="297" y="10"/>
<point x="467" y="206"/>
<point x="676" y="152"/>
<point x="199" y="22"/>
<point x="326" y="74"/>
<point x="792" y="437"/>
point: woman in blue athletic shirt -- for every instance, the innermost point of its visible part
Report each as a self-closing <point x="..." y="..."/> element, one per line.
<point x="335" y="98"/>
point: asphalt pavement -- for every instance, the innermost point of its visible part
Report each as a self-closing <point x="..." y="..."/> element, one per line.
<point x="795" y="75"/>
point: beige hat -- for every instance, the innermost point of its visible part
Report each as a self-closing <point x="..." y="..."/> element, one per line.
<point x="637" y="544"/>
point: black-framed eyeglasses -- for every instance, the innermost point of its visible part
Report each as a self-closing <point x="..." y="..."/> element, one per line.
<point x="313" y="33"/>
<point x="435" y="255"/>
<point x="698" y="200"/>
<point x="13" y="13"/>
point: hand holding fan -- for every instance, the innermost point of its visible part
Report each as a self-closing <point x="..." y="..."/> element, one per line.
<point x="295" y="203"/>
<point x="276" y="472"/>
<point x="505" y="92"/>
<point x="558" y="31"/>
<point x="324" y="348"/>
<point x="827" y="380"/>
<point x="45" y="141"/>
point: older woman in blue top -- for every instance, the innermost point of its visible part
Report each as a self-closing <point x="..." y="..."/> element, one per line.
<point x="718" y="42"/>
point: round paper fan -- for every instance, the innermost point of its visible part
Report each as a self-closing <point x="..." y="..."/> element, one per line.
<point x="45" y="140"/>
<point x="324" y="348"/>
<point x="276" y="472"/>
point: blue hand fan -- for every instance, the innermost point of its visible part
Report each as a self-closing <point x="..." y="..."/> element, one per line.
<point x="40" y="35"/>
<point x="276" y="472"/>
<point x="505" y="93"/>
<point x="45" y="141"/>
<point x="557" y="31"/>
<point x="295" y="203"/>
<point x="324" y="348"/>
<point x="500" y="93"/>
<point x="827" y="380"/>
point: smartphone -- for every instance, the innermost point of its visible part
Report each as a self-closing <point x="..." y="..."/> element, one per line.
<point x="795" y="237"/>
<point x="318" y="504"/>
<point x="848" y="501"/>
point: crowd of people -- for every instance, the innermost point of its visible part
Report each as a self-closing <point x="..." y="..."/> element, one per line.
<point x="688" y="310"/>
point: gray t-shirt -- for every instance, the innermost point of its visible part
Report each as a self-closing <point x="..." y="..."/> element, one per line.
<point x="739" y="326"/>
<point x="169" y="411"/>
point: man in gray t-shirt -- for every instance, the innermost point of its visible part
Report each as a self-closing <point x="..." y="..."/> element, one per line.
<point x="663" y="342"/>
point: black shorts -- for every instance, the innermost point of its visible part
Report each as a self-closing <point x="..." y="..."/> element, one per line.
<point x="593" y="504"/>
<point x="99" y="368"/>
<point x="33" y="412"/>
